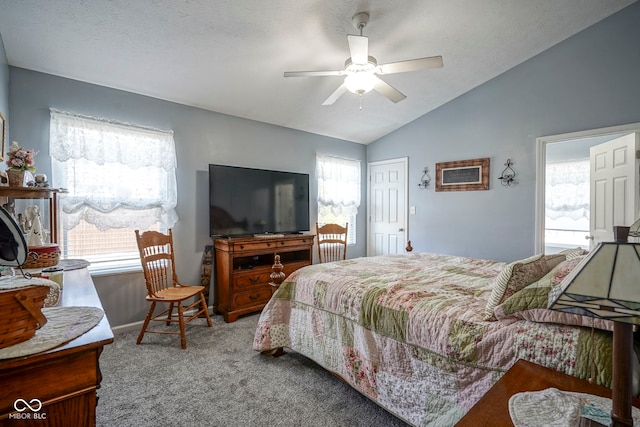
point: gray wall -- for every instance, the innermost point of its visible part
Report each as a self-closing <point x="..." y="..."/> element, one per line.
<point x="589" y="81"/>
<point x="4" y="89"/>
<point x="202" y="137"/>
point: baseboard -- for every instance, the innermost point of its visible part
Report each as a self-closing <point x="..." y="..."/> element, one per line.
<point x="135" y="326"/>
<point x="126" y="327"/>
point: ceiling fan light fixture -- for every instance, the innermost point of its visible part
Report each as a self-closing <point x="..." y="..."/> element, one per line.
<point x="360" y="83"/>
<point x="360" y="77"/>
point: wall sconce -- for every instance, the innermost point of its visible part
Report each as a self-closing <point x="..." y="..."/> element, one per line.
<point x="425" y="180"/>
<point x="508" y="174"/>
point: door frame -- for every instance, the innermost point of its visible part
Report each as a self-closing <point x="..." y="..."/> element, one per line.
<point x="404" y="160"/>
<point x="541" y="155"/>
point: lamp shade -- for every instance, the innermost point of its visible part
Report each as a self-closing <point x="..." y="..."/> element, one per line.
<point x="605" y="284"/>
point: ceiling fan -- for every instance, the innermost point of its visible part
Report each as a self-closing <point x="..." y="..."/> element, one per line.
<point x="361" y="71"/>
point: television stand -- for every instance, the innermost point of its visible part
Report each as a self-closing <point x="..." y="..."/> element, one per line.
<point x="241" y="290"/>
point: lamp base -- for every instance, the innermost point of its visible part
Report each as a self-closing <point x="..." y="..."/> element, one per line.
<point x="621" y="385"/>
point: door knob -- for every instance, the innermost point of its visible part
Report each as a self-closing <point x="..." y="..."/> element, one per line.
<point x="588" y="237"/>
<point x="400" y="229"/>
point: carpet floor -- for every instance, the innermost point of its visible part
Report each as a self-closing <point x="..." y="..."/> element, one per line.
<point x="219" y="380"/>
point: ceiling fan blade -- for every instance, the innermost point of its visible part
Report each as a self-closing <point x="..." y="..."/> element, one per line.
<point x="389" y="91"/>
<point x="335" y="95"/>
<point x="359" y="48"/>
<point x="313" y="73"/>
<point x="411" y="65"/>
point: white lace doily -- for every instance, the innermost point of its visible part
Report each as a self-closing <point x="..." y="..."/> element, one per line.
<point x="556" y="408"/>
<point x="63" y="325"/>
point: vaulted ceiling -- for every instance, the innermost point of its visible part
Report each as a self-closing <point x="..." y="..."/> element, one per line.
<point x="229" y="56"/>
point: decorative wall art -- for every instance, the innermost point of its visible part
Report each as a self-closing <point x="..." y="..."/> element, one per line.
<point x="463" y="175"/>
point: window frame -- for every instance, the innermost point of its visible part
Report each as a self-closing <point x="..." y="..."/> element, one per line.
<point x="72" y="135"/>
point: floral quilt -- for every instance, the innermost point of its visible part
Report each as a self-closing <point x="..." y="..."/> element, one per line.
<point x="408" y="332"/>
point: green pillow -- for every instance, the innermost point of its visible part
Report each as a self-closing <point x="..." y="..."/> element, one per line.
<point x="531" y="302"/>
<point x="513" y="278"/>
<point x="535" y="295"/>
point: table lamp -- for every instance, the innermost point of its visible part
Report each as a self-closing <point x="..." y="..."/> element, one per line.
<point x="606" y="284"/>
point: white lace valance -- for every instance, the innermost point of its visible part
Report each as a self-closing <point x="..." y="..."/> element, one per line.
<point x="567" y="190"/>
<point x="339" y="184"/>
<point x="117" y="175"/>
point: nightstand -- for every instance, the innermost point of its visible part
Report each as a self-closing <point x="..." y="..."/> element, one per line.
<point x="493" y="408"/>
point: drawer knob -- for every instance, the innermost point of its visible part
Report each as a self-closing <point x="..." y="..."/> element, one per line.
<point x="253" y="279"/>
<point x="253" y="297"/>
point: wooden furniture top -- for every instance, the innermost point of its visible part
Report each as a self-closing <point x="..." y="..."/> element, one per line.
<point x="77" y="290"/>
<point x="250" y="243"/>
<point x="275" y="238"/>
<point x="29" y="192"/>
<point x="493" y="408"/>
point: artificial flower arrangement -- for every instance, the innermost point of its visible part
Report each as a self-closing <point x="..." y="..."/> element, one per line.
<point x="20" y="159"/>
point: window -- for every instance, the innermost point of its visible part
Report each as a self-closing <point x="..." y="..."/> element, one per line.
<point x="119" y="178"/>
<point x="567" y="205"/>
<point x="338" y="192"/>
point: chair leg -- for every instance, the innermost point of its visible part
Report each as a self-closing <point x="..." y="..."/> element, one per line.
<point x="146" y="322"/>
<point x="203" y="303"/>
<point x="170" y="312"/>
<point x="183" y="338"/>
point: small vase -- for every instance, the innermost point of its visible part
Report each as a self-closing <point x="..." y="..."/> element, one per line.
<point x="16" y="178"/>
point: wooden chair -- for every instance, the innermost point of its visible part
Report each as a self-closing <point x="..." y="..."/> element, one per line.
<point x="156" y="256"/>
<point x="332" y="242"/>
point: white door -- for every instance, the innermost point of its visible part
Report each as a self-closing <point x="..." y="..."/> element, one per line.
<point x="613" y="186"/>
<point x="387" y="200"/>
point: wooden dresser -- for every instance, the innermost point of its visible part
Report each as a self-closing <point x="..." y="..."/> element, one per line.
<point x="64" y="379"/>
<point x="243" y="269"/>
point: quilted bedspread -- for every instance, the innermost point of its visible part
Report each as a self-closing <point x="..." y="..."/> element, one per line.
<point x="408" y="332"/>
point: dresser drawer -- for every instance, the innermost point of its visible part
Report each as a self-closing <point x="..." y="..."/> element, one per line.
<point x="271" y="244"/>
<point x="260" y="245"/>
<point x="297" y="242"/>
<point x="247" y="280"/>
<point x="251" y="298"/>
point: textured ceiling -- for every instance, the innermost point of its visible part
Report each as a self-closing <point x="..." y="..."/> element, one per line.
<point x="229" y="56"/>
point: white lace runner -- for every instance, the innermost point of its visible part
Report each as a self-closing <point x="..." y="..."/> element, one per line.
<point x="556" y="408"/>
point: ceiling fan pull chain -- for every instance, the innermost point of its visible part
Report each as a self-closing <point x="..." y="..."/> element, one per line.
<point x="360" y="99"/>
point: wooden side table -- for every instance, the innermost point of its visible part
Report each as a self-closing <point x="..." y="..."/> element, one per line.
<point x="493" y="408"/>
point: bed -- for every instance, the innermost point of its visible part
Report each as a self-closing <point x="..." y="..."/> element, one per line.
<point x="426" y="335"/>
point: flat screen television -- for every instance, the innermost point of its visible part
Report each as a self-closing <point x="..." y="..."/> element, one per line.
<point x="246" y="201"/>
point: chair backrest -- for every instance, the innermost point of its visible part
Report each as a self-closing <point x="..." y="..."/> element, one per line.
<point x="156" y="257"/>
<point x="332" y="242"/>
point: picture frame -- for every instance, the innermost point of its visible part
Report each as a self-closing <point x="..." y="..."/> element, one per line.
<point x="3" y="134"/>
<point x="463" y="175"/>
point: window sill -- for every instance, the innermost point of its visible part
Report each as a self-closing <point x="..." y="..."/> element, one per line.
<point x="114" y="267"/>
